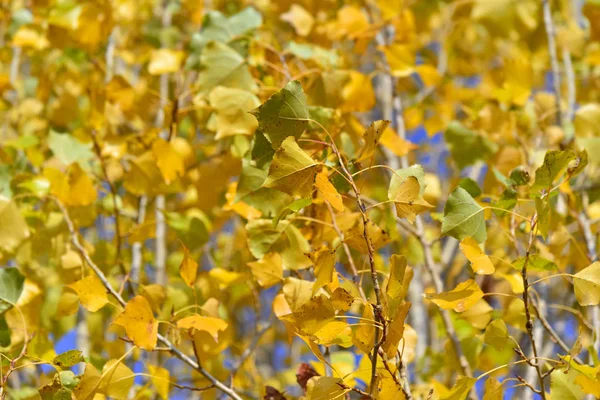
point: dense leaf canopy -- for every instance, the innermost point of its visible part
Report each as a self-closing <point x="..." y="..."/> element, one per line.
<point x="248" y="199"/>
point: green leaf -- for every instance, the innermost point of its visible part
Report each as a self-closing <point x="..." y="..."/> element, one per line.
<point x="463" y="217"/>
<point x="507" y="201"/>
<point x="68" y="358"/>
<point x="292" y="170"/>
<point x="535" y="263"/>
<point x="4" y="332"/>
<point x="11" y="287"/>
<point x="69" y="149"/>
<point x="470" y="186"/>
<point x="223" y="66"/>
<point x="284" y="114"/>
<point x="467" y="146"/>
<point x="555" y="161"/>
<point x="262" y="235"/>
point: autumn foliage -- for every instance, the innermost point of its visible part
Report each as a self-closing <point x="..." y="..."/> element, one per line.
<point x="248" y="199"/>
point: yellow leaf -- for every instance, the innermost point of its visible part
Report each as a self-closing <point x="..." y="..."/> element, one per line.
<point x="408" y="199"/>
<point x="358" y="94"/>
<point x="81" y="187"/>
<point x="480" y="262"/>
<point x="188" y="268"/>
<point x="165" y="61"/>
<point x="232" y="115"/>
<point x="364" y="335"/>
<point x="29" y="36"/>
<point x="311" y="316"/>
<point x="356" y="239"/>
<point x="396" y="144"/>
<point x="169" y="161"/>
<point x="587" y="285"/>
<point x="324" y="387"/>
<point x="400" y="277"/>
<point x="75" y="188"/>
<point x="292" y="170"/>
<point x="429" y="75"/>
<point x="117" y="380"/>
<point x="13" y="228"/>
<point x="351" y="22"/>
<point x="371" y="138"/>
<point x="329" y="191"/>
<point x="88" y="383"/>
<point x="300" y="19"/>
<point x="211" y="325"/>
<point x="459" y="299"/>
<point x="91" y="292"/>
<point x="334" y="333"/>
<point x="496" y="334"/>
<point x="324" y="262"/>
<point x="160" y="379"/>
<point x="296" y="292"/>
<point x="401" y="59"/>
<point x="268" y="271"/>
<point x="395" y="330"/>
<point x="139" y="323"/>
<point x="461" y="389"/>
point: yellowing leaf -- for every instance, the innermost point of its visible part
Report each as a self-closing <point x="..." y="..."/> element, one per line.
<point x="480" y="262"/>
<point x="211" y="325"/>
<point x="165" y="61"/>
<point x="188" y="268"/>
<point x="408" y="199"/>
<point x="292" y="170"/>
<point x="268" y="271"/>
<point x="29" y="36"/>
<point x="401" y="59"/>
<point x="169" y="161"/>
<point x="324" y="387"/>
<point x="395" y="331"/>
<point x="324" y="262"/>
<point x="396" y="144"/>
<point x="400" y="277"/>
<point x="329" y="191"/>
<point x="160" y="379"/>
<point x="139" y="323"/>
<point x="496" y="334"/>
<point x="459" y="299"/>
<point x="300" y="19"/>
<point x="88" y="383"/>
<point x="13" y="228"/>
<point x="311" y="316"/>
<point x="461" y="389"/>
<point x="429" y="75"/>
<point x="364" y="335"/>
<point x="587" y="285"/>
<point x="117" y="380"/>
<point x="371" y="138"/>
<point x="232" y="115"/>
<point x="91" y="292"/>
<point x="358" y="94"/>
